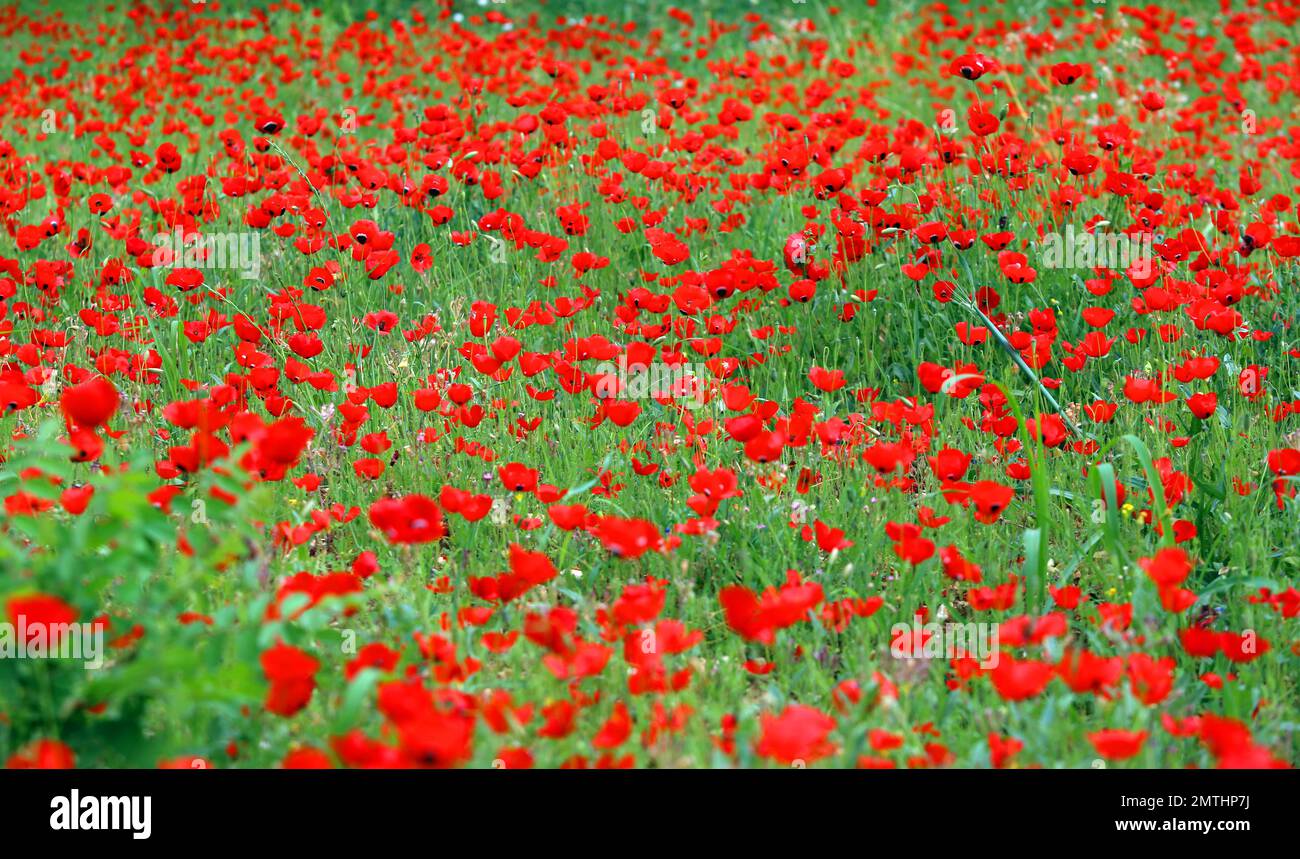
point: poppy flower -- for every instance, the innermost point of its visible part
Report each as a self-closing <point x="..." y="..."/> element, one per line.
<point x="798" y="735"/>
<point x="91" y="403"/>
<point x="292" y="675"/>
<point x="409" y="519"/>
<point x="626" y="538"/>
<point x="42" y="615"/>
<point x="1118" y="745"/>
<point x="43" y="755"/>
<point x="758" y="618"/>
<point x="1017" y="680"/>
<point x="990" y="499"/>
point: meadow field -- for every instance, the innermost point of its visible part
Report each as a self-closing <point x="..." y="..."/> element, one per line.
<point x="773" y="384"/>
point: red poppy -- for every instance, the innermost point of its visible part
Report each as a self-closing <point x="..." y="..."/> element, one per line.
<point x="91" y="403"/>
<point x="292" y="675"/>
<point x="409" y="519"/>
<point x="1118" y="745"/>
<point x="798" y="735"/>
